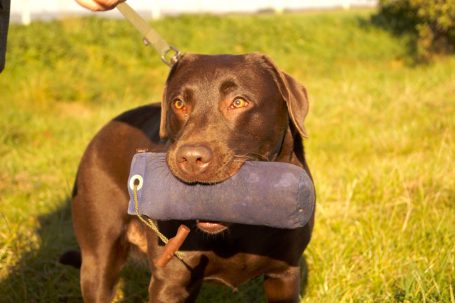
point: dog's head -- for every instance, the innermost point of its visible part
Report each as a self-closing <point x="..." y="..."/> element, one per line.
<point x="219" y="111"/>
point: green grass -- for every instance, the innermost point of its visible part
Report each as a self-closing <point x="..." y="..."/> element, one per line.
<point x="381" y="148"/>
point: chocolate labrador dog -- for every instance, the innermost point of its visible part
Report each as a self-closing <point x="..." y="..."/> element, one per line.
<point x="217" y="112"/>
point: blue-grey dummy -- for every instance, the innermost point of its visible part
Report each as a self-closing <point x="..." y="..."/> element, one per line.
<point x="274" y="194"/>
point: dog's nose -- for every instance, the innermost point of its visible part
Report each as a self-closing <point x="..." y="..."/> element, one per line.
<point x="193" y="159"/>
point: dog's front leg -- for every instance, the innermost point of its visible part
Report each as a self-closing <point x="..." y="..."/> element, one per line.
<point x="174" y="288"/>
<point x="283" y="287"/>
<point x="178" y="281"/>
<point x="99" y="224"/>
<point x="99" y="274"/>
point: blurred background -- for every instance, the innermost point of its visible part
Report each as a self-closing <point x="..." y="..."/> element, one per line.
<point x="381" y="81"/>
<point x="26" y="10"/>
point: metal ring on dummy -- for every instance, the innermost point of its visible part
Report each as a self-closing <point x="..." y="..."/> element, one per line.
<point x="135" y="178"/>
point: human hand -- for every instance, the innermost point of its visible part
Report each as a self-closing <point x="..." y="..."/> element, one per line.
<point x="99" y="5"/>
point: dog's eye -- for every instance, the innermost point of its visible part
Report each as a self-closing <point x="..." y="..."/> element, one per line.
<point x="239" y="103"/>
<point x="179" y="104"/>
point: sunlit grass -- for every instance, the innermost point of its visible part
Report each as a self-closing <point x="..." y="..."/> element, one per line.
<point x="381" y="148"/>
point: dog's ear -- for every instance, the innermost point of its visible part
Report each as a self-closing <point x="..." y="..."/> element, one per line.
<point x="293" y="93"/>
<point x="164" y="132"/>
<point x="296" y="98"/>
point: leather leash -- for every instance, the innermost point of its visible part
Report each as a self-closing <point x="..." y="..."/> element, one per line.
<point x="168" y="53"/>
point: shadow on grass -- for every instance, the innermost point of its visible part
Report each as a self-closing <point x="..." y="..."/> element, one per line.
<point x="39" y="277"/>
<point x="411" y="56"/>
<point x="399" y="28"/>
<point x="403" y="22"/>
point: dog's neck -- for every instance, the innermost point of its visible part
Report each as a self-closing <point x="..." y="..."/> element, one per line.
<point x="292" y="150"/>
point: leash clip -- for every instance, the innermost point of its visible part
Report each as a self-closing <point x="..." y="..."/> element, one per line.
<point x="171" y="56"/>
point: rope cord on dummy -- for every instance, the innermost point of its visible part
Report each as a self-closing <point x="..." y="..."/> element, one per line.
<point x="147" y="221"/>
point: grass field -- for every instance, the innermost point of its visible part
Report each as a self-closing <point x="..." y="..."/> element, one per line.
<point x="381" y="148"/>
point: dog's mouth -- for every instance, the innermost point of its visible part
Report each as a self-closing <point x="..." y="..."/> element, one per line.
<point x="212" y="175"/>
<point x="211" y="227"/>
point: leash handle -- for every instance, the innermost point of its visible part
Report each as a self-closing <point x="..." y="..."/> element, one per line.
<point x="172" y="246"/>
<point x="168" y="53"/>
